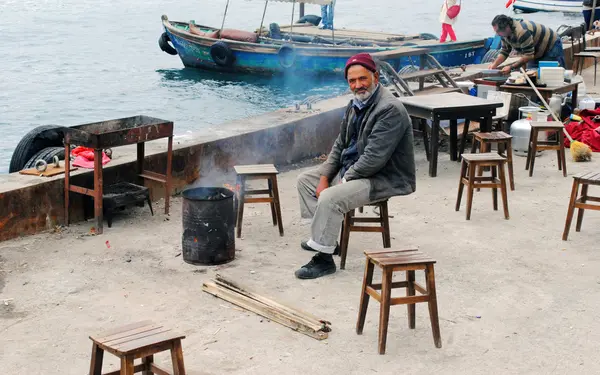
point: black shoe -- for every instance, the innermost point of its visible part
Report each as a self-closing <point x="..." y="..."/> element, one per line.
<point x="320" y="265"/>
<point x="304" y="245"/>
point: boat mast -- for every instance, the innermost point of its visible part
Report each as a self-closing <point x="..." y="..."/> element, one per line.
<point x="591" y="25"/>
<point x="224" y="15"/>
<point x="292" y="22"/>
<point x="263" y="18"/>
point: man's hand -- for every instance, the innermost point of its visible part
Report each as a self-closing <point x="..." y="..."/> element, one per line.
<point x="506" y="69"/>
<point x="492" y="66"/>
<point x="323" y="184"/>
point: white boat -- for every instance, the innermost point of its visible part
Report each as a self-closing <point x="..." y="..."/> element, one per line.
<point x="565" y="6"/>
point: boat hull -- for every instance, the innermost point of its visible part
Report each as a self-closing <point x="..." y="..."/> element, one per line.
<point x="257" y="58"/>
<point x="531" y="6"/>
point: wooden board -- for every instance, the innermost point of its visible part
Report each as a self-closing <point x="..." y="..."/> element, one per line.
<point x="399" y="52"/>
<point x="285" y="315"/>
<point x="49" y="172"/>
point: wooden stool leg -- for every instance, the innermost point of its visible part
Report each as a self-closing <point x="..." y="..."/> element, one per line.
<point x="571" y="209"/>
<point x="494" y="190"/>
<point x="474" y="145"/>
<point x="561" y="139"/>
<point x="147" y="362"/>
<point x="470" y="188"/>
<point x="364" y="297"/>
<point x="345" y="238"/>
<point x="384" y="308"/>
<point x="96" y="361"/>
<point x="461" y="185"/>
<point x="240" y="213"/>
<point x="277" y="204"/>
<point x="127" y="365"/>
<point x="483" y="147"/>
<point x="432" y="302"/>
<point x="385" y="223"/>
<point x="509" y="160"/>
<point x="580" y="211"/>
<point x="410" y="291"/>
<point x="534" y="140"/>
<point x="177" y="358"/>
<point x="272" y="203"/>
<point x="503" y="191"/>
<point x="529" y="153"/>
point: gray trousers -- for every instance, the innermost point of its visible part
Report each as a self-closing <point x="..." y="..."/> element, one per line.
<point x="327" y="212"/>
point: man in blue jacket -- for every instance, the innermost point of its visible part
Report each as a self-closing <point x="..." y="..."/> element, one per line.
<point x="372" y="159"/>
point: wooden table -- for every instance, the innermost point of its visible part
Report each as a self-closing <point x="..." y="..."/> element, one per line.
<point x="449" y="106"/>
<point x="546" y="92"/>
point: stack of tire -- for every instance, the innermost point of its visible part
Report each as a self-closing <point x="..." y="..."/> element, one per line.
<point x="43" y="142"/>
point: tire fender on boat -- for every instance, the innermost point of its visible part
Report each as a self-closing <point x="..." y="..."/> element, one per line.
<point x="221" y="54"/>
<point x="490" y="56"/>
<point x="287" y="55"/>
<point x="163" y="43"/>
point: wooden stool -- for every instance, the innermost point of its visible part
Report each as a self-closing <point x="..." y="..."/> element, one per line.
<point x="137" y="340"/>
<point x="504" y="142"/>
<point x="349" y="226"/>
<point x="398" y="260"/>
<point x="258" y="172"/>
<point x="471" y="162"/>
<point x="535" y="144"/>
<point x="583" y="179"/>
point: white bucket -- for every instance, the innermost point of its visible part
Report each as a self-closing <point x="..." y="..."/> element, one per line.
<point x="525" y="112"/>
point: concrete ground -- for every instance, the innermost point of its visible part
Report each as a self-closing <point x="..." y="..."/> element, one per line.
<point x="513" y="297"/>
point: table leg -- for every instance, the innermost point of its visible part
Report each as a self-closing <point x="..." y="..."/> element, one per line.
<point x="169" y="172"/>
<point x="486" y="124"/>
<point x="453" y="139"/>
<point x="67" y="181"/>
<point x="435" y="130"/>
<point x="573" y="100"/>
<point x="98" y="190"/>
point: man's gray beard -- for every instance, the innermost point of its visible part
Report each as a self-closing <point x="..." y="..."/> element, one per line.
<point x="365" y="96"/>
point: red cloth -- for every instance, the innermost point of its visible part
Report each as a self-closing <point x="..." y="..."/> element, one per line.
<point x="363" y="59"/>
<point x="587" y="132"/>
<point x="84" y="157"/>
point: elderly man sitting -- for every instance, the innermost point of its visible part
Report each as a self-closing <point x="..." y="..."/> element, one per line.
<point x="372" y="159"/>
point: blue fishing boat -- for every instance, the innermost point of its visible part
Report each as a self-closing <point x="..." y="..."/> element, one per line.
<point x="301" y="48"/>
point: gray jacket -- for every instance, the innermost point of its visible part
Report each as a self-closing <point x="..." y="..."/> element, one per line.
<point x="385" y="146"/>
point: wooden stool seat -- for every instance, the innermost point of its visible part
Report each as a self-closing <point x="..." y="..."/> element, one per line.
<point x="137" y="340"/>
<point x="470" y="163"/>
<point x="391" y="261"/>
<point x="535" y="144"/>
<point x="583" y="202"/>
<point x="258" y="172"/>
<point x="504" y="142"/>
<point x="349" y="225"/>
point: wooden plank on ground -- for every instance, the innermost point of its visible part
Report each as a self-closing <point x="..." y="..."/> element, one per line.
<point x="268" y="308"/>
